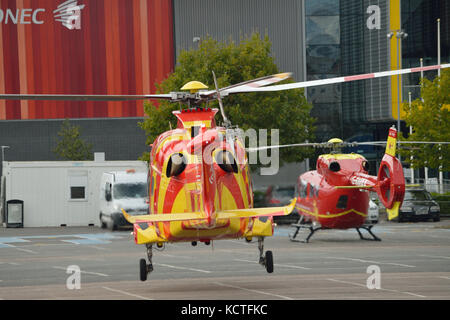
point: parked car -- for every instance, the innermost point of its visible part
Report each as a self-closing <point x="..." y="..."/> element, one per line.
<point x="277" y="196"/>
<point x="419" y="205"/>
<point x="373" y="213"/>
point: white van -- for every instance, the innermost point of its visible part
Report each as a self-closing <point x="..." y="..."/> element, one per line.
<point x="122" y="190"/>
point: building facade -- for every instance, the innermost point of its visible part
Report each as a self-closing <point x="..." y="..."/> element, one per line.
<point x="125" y="47"/>
<point x="102" y="47"/>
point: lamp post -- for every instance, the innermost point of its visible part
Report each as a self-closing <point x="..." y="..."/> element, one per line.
<point x="441" y="174"/>
<point x="410" y="133"/>
<point x="3" y="154"/>
<point x="400" y="35"/>
<point x="2" y="191"/>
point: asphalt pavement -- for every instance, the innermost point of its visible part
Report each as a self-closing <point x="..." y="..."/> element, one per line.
<point x="412" y="262"/>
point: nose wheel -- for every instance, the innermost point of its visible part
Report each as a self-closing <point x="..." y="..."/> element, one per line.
<point x="267" y="259"/>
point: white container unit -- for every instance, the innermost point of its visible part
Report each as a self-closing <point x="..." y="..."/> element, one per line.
<point x="60" y="193"/>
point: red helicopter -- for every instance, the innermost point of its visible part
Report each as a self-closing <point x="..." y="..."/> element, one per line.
<point x="336" y="194"/>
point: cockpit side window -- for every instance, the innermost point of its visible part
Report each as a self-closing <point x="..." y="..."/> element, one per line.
<point x="303" y="190"/>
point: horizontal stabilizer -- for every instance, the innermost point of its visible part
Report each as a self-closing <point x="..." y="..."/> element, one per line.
<point x="226" y="214"/>
<point x="166" y="217"/>
<point x="257" y="212"/>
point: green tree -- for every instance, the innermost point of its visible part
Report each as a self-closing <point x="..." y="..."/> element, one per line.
<point x="70" y="146"/>
<point x="430" y="120"/>
<point x="233" y="63"/>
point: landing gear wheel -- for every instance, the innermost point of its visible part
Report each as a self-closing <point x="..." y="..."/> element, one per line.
<point x="143" y="269"/>
<point x="269" y="261"/>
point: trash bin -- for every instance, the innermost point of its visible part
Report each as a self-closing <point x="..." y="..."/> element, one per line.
<point x="14" y="214"/>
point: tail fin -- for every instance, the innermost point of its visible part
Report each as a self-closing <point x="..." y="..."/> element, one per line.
<point x="391" y="145"/>
<point x="391" y="181"/>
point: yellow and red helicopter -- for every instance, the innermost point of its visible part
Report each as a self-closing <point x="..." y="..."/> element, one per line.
<point x="200" y="187"/>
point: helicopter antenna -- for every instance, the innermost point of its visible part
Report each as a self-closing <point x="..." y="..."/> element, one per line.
<point x="219" y="98"/>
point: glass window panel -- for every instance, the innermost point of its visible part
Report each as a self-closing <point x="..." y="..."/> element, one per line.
<point x="322" y="30"/>
<point x="324" y="94"/>
<point x="324" y="59"/>
<point x="322" y="7"/>
<point x="77" y="193"/>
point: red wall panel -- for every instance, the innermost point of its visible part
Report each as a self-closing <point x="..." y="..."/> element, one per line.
<point x="122" y="47"/>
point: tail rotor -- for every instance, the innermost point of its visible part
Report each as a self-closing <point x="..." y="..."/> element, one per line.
<point x="391" y="181"/>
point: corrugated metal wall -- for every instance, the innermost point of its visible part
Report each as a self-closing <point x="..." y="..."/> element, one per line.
<point x="365" y="50"/>
<point x="376" y="51"/>
<point x="123" y="47"/>
<point x="282" y="20"/>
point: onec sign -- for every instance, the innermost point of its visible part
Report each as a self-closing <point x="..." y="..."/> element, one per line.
<point x="68" y="13"/>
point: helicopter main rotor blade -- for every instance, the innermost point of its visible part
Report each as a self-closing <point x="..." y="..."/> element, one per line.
<point x="219" y="98"/>
<point x="83" y="97"/>
<point x="380" y="143"/>
<point x="254" y="83"/>
<point x="284" y="146"/>
<point x="344" y="144"/>
<point x="174" y="96"/>
<point x="305" y="84"/>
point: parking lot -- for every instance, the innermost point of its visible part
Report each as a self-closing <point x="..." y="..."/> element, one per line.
<point x="413" y="260"/>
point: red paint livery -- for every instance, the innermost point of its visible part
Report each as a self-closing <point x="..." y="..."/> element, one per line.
<point x="336" y="194"/>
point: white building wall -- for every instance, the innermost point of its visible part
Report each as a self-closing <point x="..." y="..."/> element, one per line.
<point x="45" y="189"/>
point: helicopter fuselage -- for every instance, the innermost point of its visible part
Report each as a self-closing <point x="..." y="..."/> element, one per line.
<point x="196" y="168"/>
<point x="336" y="208"/>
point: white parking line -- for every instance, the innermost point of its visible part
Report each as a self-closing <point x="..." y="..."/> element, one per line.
<point x="86" y="272"/>
<point x="276" y="264"/>
<point x="374" y="262"/>
<point x="127" y="293"/>
<point x="428" y="256"/>
<point x="383" y="289"/>
<point x="26" y="250"/>
<point x="239" y="242"/>
<point x="252" y="290"/>
<point x="174" y="256"/>
<point x="182" y="268"/>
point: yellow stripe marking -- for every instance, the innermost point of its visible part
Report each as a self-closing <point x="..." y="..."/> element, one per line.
<point x="335" y="215"/>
